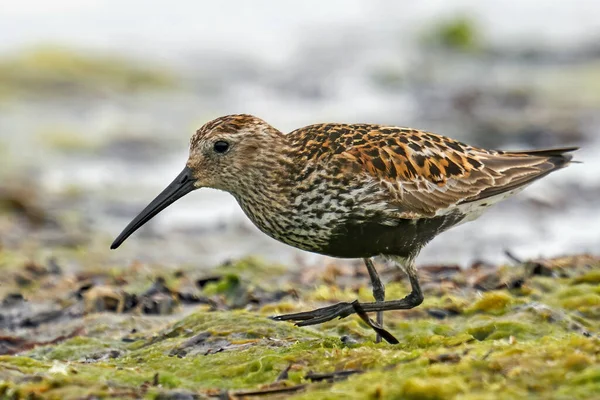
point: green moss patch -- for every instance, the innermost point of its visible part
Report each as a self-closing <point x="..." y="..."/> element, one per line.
<point x="535" y="340"/>
<point x="55" y="70"/>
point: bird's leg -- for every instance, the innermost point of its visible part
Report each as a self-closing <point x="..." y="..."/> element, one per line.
<point x="378" y="291"/>
<point x="344" y="309"/>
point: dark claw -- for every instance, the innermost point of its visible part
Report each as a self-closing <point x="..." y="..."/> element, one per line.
<point x="318" y="316"/>
<point x="339" y="310"/>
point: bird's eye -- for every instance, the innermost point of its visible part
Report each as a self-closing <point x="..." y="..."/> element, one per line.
<point x="221" y="146"/>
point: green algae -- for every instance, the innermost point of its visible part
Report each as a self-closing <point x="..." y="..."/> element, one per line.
<point x="524" y="342"/>
<point x="228" y="284"/>
<point x="67" y="140"/>
<point x="495" y="370"/>
<point x="53" y="71"/>
<point x="76" y="349"/>
<point x="459" y="33"/>
<point x="496" y="302"/>
<point x="252" y="268"/>
<point x="592" y="277"/>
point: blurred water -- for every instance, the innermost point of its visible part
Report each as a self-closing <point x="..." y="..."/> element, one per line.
<point x="272" y="29"/>
<point x="297" y="63"/>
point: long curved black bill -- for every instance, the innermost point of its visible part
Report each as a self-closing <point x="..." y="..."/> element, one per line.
<point x="182" y="185"/>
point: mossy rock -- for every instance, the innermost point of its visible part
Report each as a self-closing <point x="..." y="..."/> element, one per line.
<point x="505" y="343"/>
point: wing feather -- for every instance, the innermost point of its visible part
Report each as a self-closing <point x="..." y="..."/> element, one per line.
<point x="426" y="174"/>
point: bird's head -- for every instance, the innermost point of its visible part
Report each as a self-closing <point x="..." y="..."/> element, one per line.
<point x="227" y="153"/>
<point x="224" y="152"/>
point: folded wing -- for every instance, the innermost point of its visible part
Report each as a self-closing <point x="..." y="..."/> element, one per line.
<point x="427" y="174"/>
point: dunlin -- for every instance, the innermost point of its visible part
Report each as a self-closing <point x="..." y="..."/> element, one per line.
<point x="351" y="190"/>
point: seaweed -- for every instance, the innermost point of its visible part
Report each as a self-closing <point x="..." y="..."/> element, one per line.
<point x="538" y="340"/>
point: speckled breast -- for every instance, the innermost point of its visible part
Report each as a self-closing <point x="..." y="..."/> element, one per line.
<point x="333" y="227"/>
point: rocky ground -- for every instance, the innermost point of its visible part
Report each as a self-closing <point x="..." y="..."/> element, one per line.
<point x="70" y="330"/>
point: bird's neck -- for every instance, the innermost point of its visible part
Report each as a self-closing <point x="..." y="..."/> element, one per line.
<point x="268" y="180"/>
<point x="265" y="196"/>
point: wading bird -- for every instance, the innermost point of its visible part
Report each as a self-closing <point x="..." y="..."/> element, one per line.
<point x="351" y="191"/>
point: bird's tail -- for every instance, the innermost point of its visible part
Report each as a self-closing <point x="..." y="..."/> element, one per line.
<point x="558" y="157"/>
<point x="515" y="169"/>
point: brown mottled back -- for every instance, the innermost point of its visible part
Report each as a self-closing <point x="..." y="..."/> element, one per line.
<point x="423" y="173"/>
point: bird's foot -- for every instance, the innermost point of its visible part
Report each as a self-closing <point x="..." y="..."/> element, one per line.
<point x="339" y="310"/>
<point x="320" y="315"/>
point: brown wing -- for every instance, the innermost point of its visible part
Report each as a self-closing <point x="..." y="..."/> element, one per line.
<point x="427" y="174"/>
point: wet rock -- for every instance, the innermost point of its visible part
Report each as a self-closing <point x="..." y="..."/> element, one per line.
<point x="104" y="355"/>
<point x="212" y="347"/>
<point x="12" y="300"/>
<point x="183" y="349"/>
<point x="440" y="272"/>
<point x="108" y="298"/>
<point x="448" y="358"/>
<point x="539" y="269"/>
<point x="348" y="340"/>
<point x="178" y="395"/>
<point x="17" y="344"/>
<point x="193" y="298"/>
<point x="23" y="280"/>
<point x="53" y="266"/>
<point x="158" y="287"/>
<point x="35" y="270"/>
<point x="201" y="282"/>
<point x="158" y="299"/>
<point x="260" y="296"/>
<point x="332" y="376"/>
<point x="515" y="283"/>
<point x="283" y="375"/>
<point x="43" y="317"/>
<point x="83" y="288"/>
<point x="26" y="314"/>
<point x="487" y="281"/>
<point x="441" y="313"/>
<point x="11" y="345"/>
<point x="157" y="304"/>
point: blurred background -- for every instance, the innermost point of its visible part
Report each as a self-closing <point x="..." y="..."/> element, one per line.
<point x="98" y="100"/>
